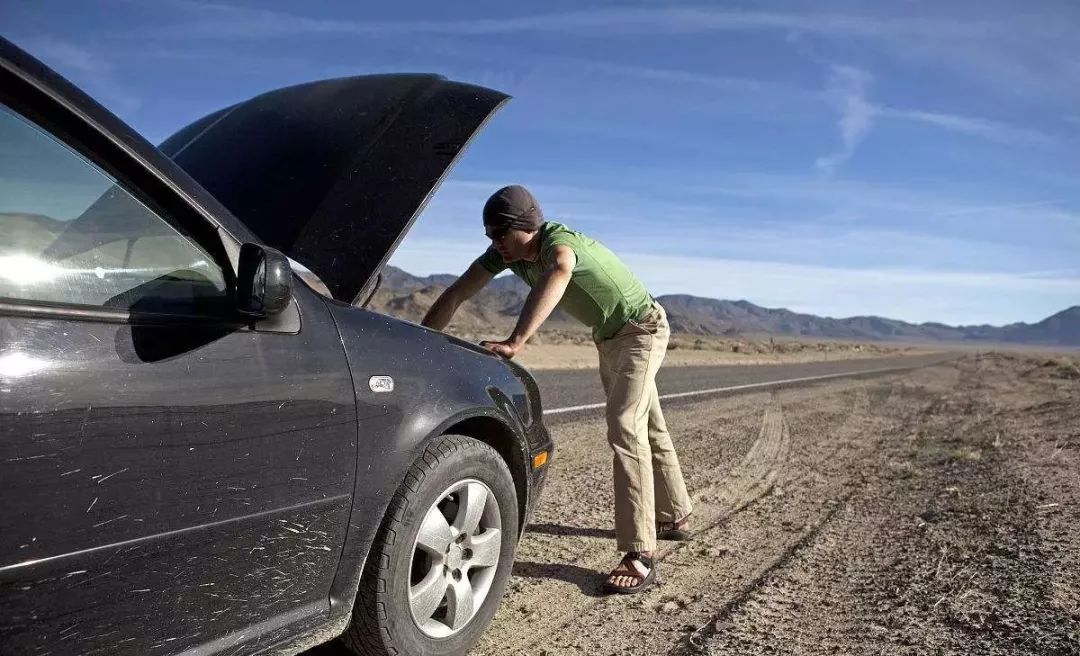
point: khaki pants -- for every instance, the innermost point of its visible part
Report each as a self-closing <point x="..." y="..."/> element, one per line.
<point x="648" y="481"/>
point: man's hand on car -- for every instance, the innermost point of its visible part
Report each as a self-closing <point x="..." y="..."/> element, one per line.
<point x="507" y="348"/>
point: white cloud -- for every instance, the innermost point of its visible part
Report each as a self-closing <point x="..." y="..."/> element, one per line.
<point x="872" y="199"/>
<point x="457" y="204"/>
<point x="726" y="83"/>
<point x="424" y="257"/>
<point x="938" y="270"/>
<point x="796" y="220"/>
<point x="848" y="90"/>
<point x="979" y="127"/>
<point x="223" y="20"/>
<point x="990" y="209"/>
<point x="941" y="40"/>
<point x="909" y="294"/>
<point x="1022" y="52"/>
<point x="87" y="69"/>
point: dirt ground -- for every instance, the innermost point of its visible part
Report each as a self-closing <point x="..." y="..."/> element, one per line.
<point x="929" y="512"/>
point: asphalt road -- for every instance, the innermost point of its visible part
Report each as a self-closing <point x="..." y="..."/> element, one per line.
<point x="572" y="388"/>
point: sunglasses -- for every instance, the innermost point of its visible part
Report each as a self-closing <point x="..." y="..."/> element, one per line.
<point x="497" y="234"/>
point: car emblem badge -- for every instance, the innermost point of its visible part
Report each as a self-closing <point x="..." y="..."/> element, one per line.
<point x="381" y="384"/>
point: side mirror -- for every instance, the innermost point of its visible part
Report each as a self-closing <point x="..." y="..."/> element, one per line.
<point x="263" y="281"/>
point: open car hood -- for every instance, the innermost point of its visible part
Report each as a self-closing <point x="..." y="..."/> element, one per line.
<point x="334" y="173"/>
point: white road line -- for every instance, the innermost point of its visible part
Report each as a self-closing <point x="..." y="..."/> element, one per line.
<point x="733" y="388"/>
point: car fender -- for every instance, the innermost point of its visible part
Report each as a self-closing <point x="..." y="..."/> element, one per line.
<point x="438" y="384"/>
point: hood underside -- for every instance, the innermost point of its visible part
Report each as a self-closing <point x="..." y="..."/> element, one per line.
<point x="334" y="173"/>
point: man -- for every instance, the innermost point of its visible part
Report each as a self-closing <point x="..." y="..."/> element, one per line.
<point x="567" y="269"/>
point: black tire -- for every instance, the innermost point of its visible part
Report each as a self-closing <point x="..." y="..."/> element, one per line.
<point x="382" y="622"/>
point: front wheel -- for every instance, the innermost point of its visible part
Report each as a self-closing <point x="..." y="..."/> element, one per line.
<point x="440" y="562"/>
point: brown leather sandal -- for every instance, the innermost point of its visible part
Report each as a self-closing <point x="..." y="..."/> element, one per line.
<point x="632" y="566"/>
<point x="672" y="531"/>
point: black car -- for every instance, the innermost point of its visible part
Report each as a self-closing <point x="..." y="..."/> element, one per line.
<point x="203" y="450"/>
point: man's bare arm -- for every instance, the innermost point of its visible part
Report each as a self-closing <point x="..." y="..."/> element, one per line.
<point x="545" y="295"/>
<point x="442" y="310"/>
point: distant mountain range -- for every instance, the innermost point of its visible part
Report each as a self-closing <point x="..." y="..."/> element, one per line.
<point x="692" y="314"/>
<point x="408" y="296"/>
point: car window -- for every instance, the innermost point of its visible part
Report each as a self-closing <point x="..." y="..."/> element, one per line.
<point x="70" y="233"/>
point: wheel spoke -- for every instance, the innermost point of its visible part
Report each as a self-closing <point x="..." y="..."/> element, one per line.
<point x="425" y="596"/>
<point x="459" y="598"/>
<point x="435" y="534"/>
<point x="485" y="548"/>
<point x="471" y="502"/>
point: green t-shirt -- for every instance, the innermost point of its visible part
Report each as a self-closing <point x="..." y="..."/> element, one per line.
<point x="603" y="293"/>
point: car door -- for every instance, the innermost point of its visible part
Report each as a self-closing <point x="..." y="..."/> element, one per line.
<point x="173" y="479"/>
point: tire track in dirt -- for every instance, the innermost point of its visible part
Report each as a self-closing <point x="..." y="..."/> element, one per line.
<point x="946" y="555"/>
<point x="755" y="474"/>
<point x="732" y="546"/>
<point x="1051" y="424"/>
<point x="752" y="477"/>
<point x="825" y="598"/>
<point x="815" y="594"/>
<point x="696" y="640"/>
<point x="802" y="602"/>
<point x="698" y="579"/>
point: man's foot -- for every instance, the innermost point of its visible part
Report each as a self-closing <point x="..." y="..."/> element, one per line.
<point x="636" y="572"/>
<point x="677" y="530"/>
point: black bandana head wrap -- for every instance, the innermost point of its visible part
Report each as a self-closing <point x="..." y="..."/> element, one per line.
<point x="513" y="207"/>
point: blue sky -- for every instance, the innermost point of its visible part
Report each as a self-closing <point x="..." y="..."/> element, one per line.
<point x="919" y="161"/>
